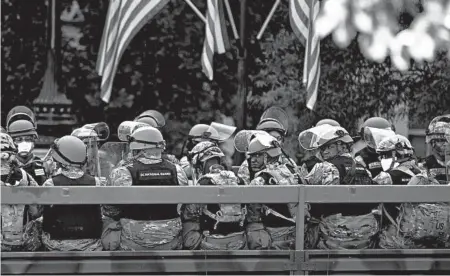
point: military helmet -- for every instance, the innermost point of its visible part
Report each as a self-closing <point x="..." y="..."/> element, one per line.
<point x="396" y="143"/>
<point x="7" y="143"/>
<point x="146" y="138"/>
<point x="333" y="134"/>
<point x="202" y="132"/>
<point x="20" y="113"/>
<point x="264" y="143"/>
<point x="437" y="128"/>
<point x="152" y="118"/>
<point x="375" y="122"/>
<point x="271" y="125"/>
<point x="69" y="150"/>
<point x="330" y="122"/>
<point x="204" y="151"/>
<point x="21" y="128"/>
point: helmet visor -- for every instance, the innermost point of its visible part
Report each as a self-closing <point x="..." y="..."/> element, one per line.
<point x="219" y="132"/>
<point x="243" y="138"/>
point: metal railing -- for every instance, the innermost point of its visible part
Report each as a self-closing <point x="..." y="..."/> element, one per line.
<point x="298" y="261"/>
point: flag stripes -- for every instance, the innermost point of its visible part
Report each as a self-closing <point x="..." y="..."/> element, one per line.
<point x="209" y="43"/>
<point x="302" y="15"/>
<point x="124" y="19"/>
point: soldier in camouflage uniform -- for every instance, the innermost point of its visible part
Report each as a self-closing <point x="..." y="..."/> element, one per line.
<point x="71" y="227"/>
<point x="215" y="133"/>
<point x="269" y="226"/>
<point x="155" y="119"/>
<point x="313" y="155"/>
<point x="349" y="226"/>
<point x="144" y="226"/>
<point x="434" y="164"/>
<point x="24" y="135"/>
<point x="213" y="226"/>
<point x="278" y="131"/>
<point x="368" y="156"/>
<point x="20" y="231"/>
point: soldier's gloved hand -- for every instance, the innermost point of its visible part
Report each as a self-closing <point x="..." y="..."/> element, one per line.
<point x="192" y="237"/>
<point x="258" y="237"/>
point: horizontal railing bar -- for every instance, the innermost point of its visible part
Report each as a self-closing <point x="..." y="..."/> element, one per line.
<point x="151" y="195"/>
<point x="141" y="266"/>
<point x="149" y="254"/>
<point x="378" y="194"/>
<point x="374" y="264"/>
<point x="377" y="252"/>
<point x="242" y="194"/>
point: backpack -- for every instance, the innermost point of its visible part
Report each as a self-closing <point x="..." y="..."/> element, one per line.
<point x="226" y="212"/>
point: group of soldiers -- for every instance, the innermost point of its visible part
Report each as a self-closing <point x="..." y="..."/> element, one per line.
<point x="141" y="160"/>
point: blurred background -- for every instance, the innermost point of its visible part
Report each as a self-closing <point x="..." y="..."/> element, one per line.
<point x="161" y="70"/>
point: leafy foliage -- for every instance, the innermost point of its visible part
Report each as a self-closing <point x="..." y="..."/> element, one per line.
<point x="161" y="70"/>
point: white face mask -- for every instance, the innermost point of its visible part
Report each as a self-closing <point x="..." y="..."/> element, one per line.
<point x="386" y="164"/>
<point x="389" y="163"/>
<point x="24" y="148"/>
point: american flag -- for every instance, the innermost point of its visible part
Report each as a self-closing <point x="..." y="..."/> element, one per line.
<point x="216" y="36"/>
<point x="302" y="15"/>
<point x="124" y="19"/>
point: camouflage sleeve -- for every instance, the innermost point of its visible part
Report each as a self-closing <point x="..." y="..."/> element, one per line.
<point x="186" y="166"/>
<point x="323" y="173"/>
<point x="119" y="177"/>
<point x="383" y="178"/>
<point x="244" y="173"/>
<point x="34" y="210"/>
<point x="173" y="159"/>
<point x="182" y="177"/>
<point x="258" y="181"/>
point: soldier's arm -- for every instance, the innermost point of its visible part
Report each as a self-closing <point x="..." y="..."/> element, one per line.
<point x="323" y="173"/>
<point x="119" y="177"/>
<point x="182" y="177"/>
<point x="35" y="211"/>
<point x="244" y="173"/>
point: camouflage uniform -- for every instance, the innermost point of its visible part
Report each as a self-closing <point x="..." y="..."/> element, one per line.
<point x="20" y="232"/>
<point x="120" y="233"/>
<point x="72" y="244"/>
<point x="272" y="226"/>
<point x="215" y="226"/>
<point x="244" y="173"/>
<point x="342" y="226"/>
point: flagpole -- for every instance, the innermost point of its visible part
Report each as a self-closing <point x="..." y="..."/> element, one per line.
<point x="241" y="112"/>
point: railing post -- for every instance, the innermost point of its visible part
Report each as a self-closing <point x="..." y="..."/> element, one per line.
<point x="298" y="256"/>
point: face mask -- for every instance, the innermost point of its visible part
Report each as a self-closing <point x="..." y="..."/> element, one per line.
<point x="386" y="164"/>
<point x="24" y="148"/>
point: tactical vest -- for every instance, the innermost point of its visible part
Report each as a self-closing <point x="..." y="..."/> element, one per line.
<point x="277" y="215"/>
<point x="222" y="219"/>
<point x="35" y="168"/>
<point x="70" y="222"/>
<point x="350" y="173"/>
<point x="159" y="174"/>
<point x="435" y="169"/>
<point x="371" y="160"/>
